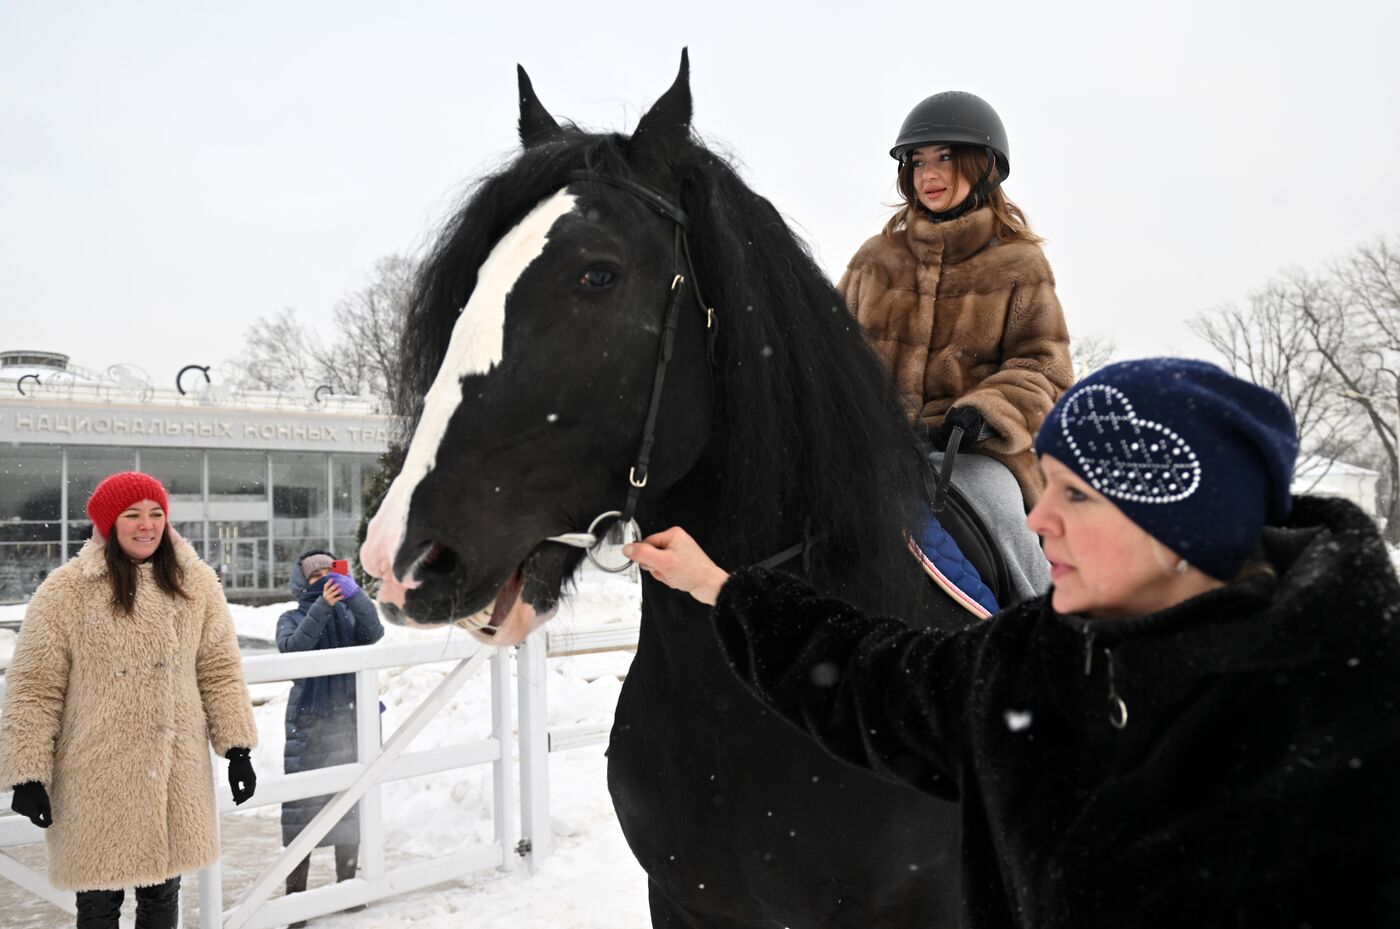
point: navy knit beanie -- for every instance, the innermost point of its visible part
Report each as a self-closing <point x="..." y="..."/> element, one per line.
<point x="1198" y="458"/>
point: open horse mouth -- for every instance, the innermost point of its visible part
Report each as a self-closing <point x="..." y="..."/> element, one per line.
<point x="528" y="596"/>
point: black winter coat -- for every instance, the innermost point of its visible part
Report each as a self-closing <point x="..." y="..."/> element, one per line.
<point x="1256" y="781"/>
<point x="326" y="738"/>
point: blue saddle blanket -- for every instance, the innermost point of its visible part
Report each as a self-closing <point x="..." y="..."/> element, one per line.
<point x="944" y="562"/>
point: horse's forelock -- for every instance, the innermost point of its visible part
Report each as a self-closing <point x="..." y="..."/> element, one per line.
<point x="476" y="346"/>
<point x="448" y="275"/>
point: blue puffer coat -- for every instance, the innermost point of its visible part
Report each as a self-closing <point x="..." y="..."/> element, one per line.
<point x="321" y="711"/>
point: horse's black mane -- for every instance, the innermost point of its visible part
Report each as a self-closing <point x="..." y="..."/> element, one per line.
<point x="808" y="426"/>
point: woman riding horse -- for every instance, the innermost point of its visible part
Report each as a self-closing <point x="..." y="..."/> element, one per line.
<point x="959" y="302"/>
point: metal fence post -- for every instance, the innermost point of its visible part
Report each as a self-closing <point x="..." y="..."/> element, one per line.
<point x="534" y="749"/>
<point x="503" y="769"/>
<point x="369" y="742"/>
<point x="211" y="879"/>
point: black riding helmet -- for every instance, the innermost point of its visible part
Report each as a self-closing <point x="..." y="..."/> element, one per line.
<point x="954" y="117"/>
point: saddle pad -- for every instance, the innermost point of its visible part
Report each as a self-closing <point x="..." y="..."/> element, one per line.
<point x="945" y="563"/>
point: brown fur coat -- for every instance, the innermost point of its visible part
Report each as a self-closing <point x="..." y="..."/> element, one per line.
<point x="115" y="714"/>
<point x="962" y="318"/>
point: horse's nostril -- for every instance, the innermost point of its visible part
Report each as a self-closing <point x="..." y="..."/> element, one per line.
<point x="438" y="559"/>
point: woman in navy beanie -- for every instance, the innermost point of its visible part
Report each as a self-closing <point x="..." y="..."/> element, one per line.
<point x="1199" y="725"/>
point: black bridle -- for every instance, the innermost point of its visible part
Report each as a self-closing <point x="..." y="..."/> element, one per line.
<point x="638" y="473"/>
<point x="681" y="262"/>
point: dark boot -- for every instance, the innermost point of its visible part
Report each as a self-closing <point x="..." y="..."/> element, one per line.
<point x="296" y="883"/>
<point x="99" y="909"/>
<point x="158" y="906"/>
<point x="347" y="860"/>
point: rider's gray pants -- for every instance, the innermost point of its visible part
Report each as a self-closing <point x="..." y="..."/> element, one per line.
<point x="990" y="486"/>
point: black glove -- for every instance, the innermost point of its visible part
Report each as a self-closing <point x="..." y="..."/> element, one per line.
<point x="32" y="800"/>
<point x="241" y="779"/>
<point x="967" y="417"/>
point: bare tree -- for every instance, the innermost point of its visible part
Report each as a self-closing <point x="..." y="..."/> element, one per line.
<point x="275" y="354"/>
<point x="1329" y="344"/>
<point x="1363" y="314"/>
<point x="1279" y="340"/>
<point x="370" y="322"/>
<point x="1090" y="352"/>
<point x="280" y="353"/>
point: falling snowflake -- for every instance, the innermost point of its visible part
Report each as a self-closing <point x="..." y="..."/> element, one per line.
<point x="1016" y="720"/>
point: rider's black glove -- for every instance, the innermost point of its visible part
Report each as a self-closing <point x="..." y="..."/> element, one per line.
<point x="967" y="417"/>
<point x="241" y="778"/>
<point x="32" y="800"/>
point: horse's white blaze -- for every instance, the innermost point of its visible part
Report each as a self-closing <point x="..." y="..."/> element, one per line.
<point x="475" y="348"/>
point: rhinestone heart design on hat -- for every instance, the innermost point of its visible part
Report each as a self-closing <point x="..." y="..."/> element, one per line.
<point x="1123" y="456"/>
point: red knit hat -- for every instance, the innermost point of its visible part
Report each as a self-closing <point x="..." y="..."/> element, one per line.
<point x="118" y="491"/>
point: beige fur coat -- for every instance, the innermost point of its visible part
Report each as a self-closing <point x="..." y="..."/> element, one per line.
<point x="962" y="318"/>
<point x="114" y="714"/>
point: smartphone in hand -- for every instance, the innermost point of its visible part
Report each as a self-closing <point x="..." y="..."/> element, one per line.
<point x="341" y="567"/>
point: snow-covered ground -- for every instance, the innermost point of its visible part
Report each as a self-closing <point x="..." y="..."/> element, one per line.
<point x="590" y="880"/>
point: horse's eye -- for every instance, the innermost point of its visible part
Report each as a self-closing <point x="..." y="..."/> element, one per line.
<point x="597" y="277"/>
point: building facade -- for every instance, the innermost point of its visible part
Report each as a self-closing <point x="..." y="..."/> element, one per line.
<point x="254" y="478"/>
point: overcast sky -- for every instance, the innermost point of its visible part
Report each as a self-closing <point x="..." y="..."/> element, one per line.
<point x="171" y="172"/>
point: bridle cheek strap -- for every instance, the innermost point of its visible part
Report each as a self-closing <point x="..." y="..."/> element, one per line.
<point x="638" y="474"/>
<point x="681" y="261"/>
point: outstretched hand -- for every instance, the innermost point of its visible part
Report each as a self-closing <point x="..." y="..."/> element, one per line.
<point x="677" y="560"/>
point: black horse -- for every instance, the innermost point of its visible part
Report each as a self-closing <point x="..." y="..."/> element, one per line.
<point x="559" y="361"/>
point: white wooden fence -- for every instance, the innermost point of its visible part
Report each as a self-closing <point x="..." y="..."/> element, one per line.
<point x="521" y="830"/>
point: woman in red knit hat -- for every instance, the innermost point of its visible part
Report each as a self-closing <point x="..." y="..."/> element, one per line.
<point x="126" y="669"/>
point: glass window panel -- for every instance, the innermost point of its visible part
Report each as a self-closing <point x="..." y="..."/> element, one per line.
<point x="193" y="532"/>
<point x="31" y="482"/>
<point x="238" y="489"/>
<point x="24" y="567"/>
<point x="87" y="466"/>
<point x="354" y="477"/>
<point x="181" y="470"/>
<point x="79" y="531"/>
<point x="298" y="485"/>
<point x="240" y="475"/>
<point x="238" y="551"/>
<point x="16" y="531"/>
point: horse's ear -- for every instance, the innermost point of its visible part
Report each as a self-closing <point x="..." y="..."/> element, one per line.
<point x="669" y="117"/>
<point x="536" y="125"/>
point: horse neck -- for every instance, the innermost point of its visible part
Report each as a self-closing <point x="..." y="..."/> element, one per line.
<point x="899" y="588"/>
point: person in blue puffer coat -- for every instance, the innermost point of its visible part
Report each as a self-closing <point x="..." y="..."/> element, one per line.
<point x="331" y="612"/>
